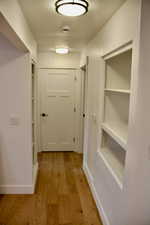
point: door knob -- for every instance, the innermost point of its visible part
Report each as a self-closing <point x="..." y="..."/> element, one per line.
<point x="44" y="114"/>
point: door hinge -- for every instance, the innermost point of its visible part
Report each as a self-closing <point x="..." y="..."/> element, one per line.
<point x="75" y="78"/>
<point x="74" y="109"/>
<point x="74" y="139"/>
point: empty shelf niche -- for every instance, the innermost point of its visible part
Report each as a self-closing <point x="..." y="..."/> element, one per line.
<point x="118" y="72"/>
<point x="114" y="156"/>
<point x="116" y="114"/>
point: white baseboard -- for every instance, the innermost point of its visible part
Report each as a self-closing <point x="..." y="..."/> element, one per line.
<point x="21" y="189"/>
<point x="95" y="195"/>
<point x="16" y="189"/>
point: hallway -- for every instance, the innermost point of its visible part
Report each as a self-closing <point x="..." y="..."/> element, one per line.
<point x="74" y="115"/>
<point x="62" y="195"/>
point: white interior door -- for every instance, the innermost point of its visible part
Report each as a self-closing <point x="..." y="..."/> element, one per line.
<point x="57" y="109"/>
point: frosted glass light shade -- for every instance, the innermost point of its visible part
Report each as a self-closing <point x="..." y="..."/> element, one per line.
<point x="62" y="50"/>
<point x="72" y="7"/>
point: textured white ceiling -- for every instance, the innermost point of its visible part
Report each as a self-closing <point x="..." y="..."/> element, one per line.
<point x="46" y="24"/>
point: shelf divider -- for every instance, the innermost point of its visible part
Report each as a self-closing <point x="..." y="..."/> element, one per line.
<point x="122" y="91"/>
<point x="121" y="141"/>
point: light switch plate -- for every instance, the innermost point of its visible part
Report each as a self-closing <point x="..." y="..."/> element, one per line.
<point x="14" y="120"/>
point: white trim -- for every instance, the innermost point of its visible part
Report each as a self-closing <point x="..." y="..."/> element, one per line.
<point x="77" y="91"/>
<point x="16" y="189"/>
<point x="61" y="149"/>
<point x="38" y="112"/>
<point x="95" y="195"/>
<point x="121" y="91"/>
<point x="60" y="68"/>
<point x="11" y="35"/>
<point x="21" y="189"/>
<point x="115" y="177"/>
<point x="35" y="175"/>
<point x="81" y="133"/>
<point x="119" y="139"/>
<point x="126" y="47"/>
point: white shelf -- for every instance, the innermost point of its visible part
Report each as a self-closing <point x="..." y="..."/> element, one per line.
<point x="115" y="167"/>
<point x="121" y="91"/>
<point x="118" y="138"/>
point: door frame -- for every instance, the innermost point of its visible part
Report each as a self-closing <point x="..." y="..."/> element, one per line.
<point x="78" y="105"/>
<point x="84" y="99"/>
<point x="83" y="103"/>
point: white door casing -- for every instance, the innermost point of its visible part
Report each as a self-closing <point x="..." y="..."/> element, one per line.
<point x="57" y="101"/>
<point x="83" y="73"/>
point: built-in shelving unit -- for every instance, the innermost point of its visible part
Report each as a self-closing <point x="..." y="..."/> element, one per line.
<point x="116" y="111"/>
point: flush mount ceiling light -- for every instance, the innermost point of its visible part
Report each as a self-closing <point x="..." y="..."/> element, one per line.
<point x="72" y="7"/>
<point x="62" y="50"/>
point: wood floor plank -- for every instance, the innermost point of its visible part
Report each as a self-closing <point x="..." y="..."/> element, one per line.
<point x="62" y="195"/>
<point x="89" y="209"/>
<point x="75" y="204"/>
<point x="52" y="212"/>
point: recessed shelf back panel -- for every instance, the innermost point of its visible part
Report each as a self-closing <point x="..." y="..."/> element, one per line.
<point x="116" y="113"/>
<point x="118" y="71"/>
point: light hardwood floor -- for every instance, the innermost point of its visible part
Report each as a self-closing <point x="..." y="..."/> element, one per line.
<point x="62" y="196"/>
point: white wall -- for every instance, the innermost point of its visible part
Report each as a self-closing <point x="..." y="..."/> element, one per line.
<point x="16" y="172"/>
<point x="118" y="31"/>
<point x="137" y="187"/>
<point x="15" y="103"/>
<point x="53" y="60"/>
<point x="12" y="12"/>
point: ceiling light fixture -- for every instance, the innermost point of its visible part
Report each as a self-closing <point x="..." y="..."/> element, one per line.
<point x="62" y="50"/>
<point x="72" y="7"/>
<point x="66" y="29"/>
